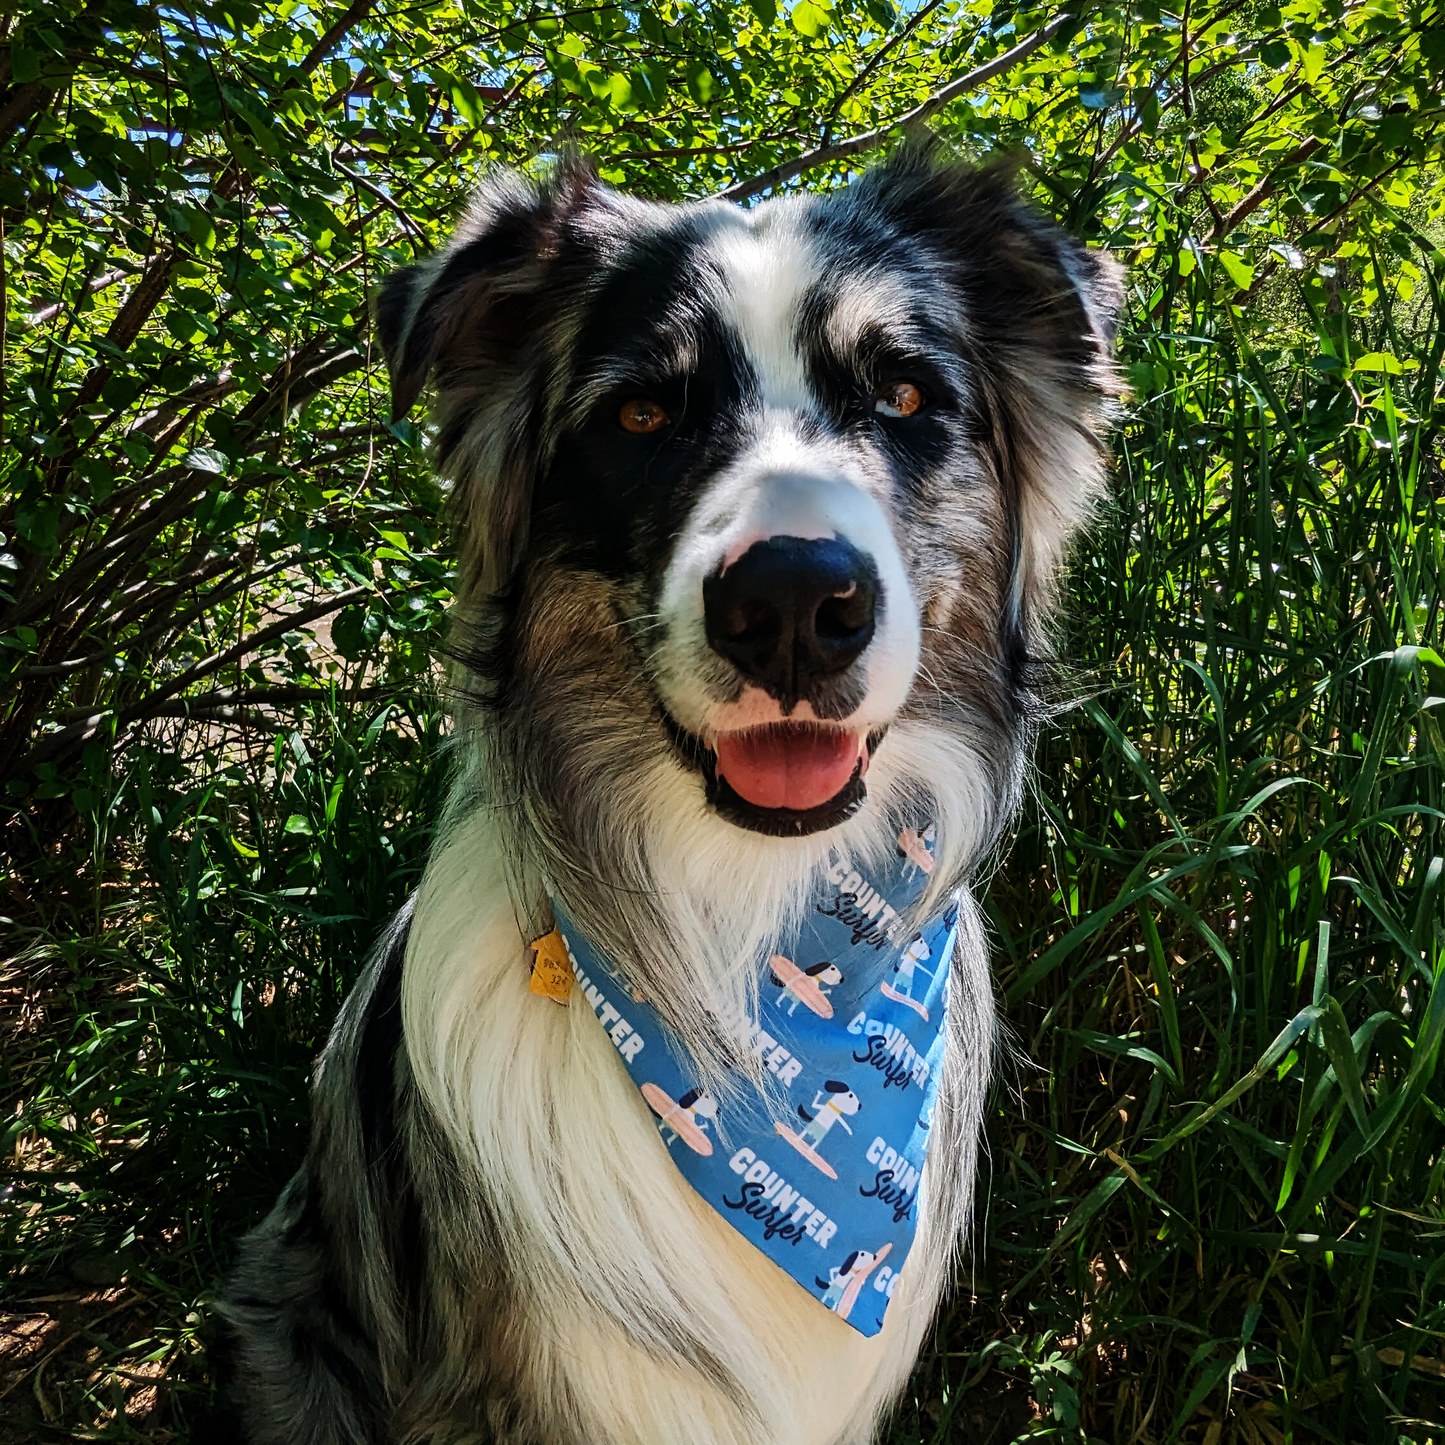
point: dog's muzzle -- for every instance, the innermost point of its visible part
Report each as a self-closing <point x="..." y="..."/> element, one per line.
<point x="791" y="615"/>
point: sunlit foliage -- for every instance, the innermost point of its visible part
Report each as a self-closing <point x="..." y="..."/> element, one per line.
<point x="1215" y="1207"/>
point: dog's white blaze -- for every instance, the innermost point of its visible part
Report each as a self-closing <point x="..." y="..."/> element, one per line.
<point x="767" y="262"/>
<point x="783" y="483"/>
<point x="618" y="1257"/>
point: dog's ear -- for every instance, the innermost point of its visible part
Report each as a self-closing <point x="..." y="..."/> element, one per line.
<point x="1030" y="291"/>
<point x="482" y="289"/>
<point x="391" y="312"/>
<point x="482" y="319"/>
<point x="1100" y="282"/>
<point x="1038" y="312"/>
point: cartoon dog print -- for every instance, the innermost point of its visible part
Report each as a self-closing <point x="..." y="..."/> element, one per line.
<point x="794" y="983"/>
<point x="845" y="1282"/>
<point x="830" y="1104"/>
<point x="685" y="1118"/>
<point x="907" y="968"/>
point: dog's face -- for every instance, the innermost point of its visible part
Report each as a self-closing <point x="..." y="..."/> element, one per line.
<point x="842" y="1098"/>
<point x="772" y="481"/>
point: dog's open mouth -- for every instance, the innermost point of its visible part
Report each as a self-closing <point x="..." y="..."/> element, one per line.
<point x="792" y="766"/>
<point x="787" y="779"/>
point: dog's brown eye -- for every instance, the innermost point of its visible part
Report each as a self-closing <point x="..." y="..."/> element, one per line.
<point x="898" y="398"/>
<point x="641" y="416"/>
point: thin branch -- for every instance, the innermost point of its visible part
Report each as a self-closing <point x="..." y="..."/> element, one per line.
<point x="20" y="102"/>
<point x="297" y="381"/>
<point x="1253" y="200"/>
<point x="169" y="622"/>
<point x="284" y="694"/>
<point x="356" y="12"/>
<point x="361" y="183"/>
<point x="96" y="283"/>
<point x="685" y="152"/>
<point x="156" y="701"/>
<point x="868" y="140"/>
<point x="217" y="661"/>
<point x="229" y="705"/>
<point x="879" y="55"/>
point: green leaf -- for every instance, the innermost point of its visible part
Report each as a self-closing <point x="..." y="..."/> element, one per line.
<point x="702" y="83"/>
<point x="24" y="65"/>
<point x="206" y="459"/>
<point x="619" y="91"/>
<point x="469" y="104"/>
<point x="184" y="325"/>
<point x="1124" y="1047"/>
<point x="1377" y="361"/>
<point x="355" y="632"/>
<point x="37" y="524"/>
<point x="810" y="20"/>
<point x="1335" y="1034"/>
<point x="1238" y="269"/>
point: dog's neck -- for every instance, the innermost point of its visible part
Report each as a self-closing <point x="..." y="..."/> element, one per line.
<point x="684" y="901"/>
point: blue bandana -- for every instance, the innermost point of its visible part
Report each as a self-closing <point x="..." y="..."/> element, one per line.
<point x="823" y="1177"/>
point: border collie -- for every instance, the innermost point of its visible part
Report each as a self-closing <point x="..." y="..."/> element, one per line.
<point x="762" y="512"/>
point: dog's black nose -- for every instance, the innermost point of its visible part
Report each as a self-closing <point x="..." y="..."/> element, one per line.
<point x="789" y="613"/>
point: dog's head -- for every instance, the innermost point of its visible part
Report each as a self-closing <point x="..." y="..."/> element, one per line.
<point x="752" y="495"/>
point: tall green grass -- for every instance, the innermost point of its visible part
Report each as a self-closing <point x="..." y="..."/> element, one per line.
<point x="1213" y="1206"/>
<point x="1215" y="1210"/>
<point x="160" y="1055"/>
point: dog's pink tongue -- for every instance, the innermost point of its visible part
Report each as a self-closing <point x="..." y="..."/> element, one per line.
<point x="788" y="766"/>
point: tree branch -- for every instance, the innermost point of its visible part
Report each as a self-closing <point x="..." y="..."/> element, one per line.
<point x="858" y="144"/>
<point x="284" y="694"/>
<point x="155" y="702"/>
<point x="96" y="283"/>
<point x="19" y="103"/>
<point x="169" y="621"/>
<point x="247" y="645"/>
<point x="374" y="190"/>
<point x="879" y="55"/>
<point x="356" y="12"/>
<point x="1253" y="200"/>
<point x="296" y="381"/>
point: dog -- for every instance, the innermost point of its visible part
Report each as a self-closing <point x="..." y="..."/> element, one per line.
<point x="762" y="516"/>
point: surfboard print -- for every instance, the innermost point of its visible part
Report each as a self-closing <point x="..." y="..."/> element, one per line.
<point x="888" y="991"/>
<point x="677" y="1118"/>
<point x="915" y="850"/>
<point x="803" y="987"/>
<point x="855" y="1285"/>
<point x="813" y="1158"/>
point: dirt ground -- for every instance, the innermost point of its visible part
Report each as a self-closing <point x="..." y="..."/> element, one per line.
<point x="80" y="1358"/>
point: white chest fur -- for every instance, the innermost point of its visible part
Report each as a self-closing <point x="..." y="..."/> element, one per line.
<point x="628" y="1280"/>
